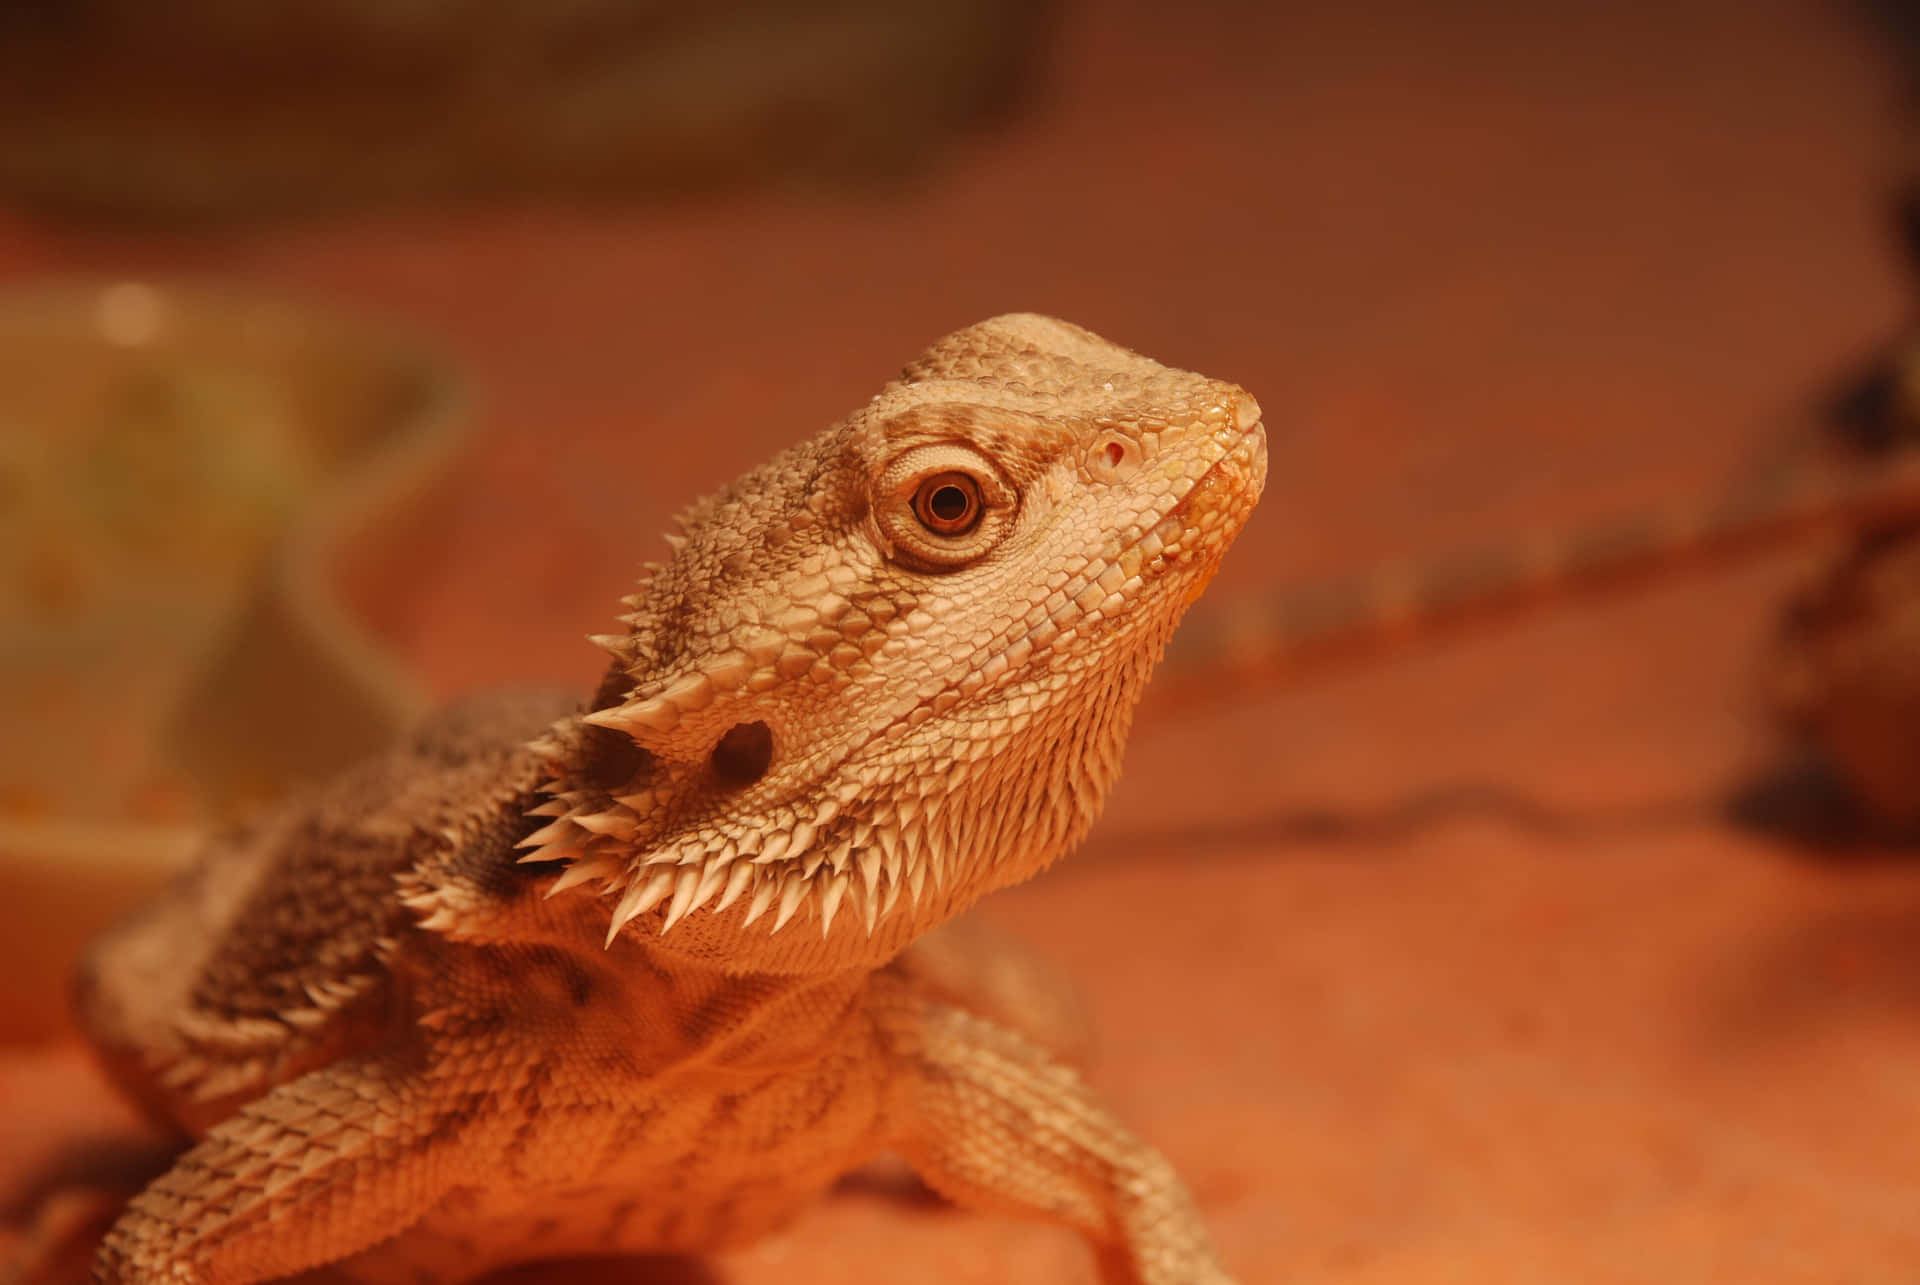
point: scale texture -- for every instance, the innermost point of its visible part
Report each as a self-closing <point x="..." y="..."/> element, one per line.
<point x="649" y="971"/>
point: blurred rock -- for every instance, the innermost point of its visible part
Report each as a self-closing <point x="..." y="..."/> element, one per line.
<point x="229" y="109"/>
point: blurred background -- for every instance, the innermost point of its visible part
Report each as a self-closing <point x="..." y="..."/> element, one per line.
<point x="353" y="354"/>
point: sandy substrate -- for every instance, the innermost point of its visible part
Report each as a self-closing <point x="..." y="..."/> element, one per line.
<point x="1485" y="272"/>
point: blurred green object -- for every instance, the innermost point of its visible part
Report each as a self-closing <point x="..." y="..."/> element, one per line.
<point x="230" y="108"/>
<point x="183" y="473"/>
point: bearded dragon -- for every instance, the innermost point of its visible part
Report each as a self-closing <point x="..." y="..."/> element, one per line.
<point x="640" y="973"/>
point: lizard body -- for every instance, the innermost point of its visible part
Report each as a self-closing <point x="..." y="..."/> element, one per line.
<point x="642" y="975"/>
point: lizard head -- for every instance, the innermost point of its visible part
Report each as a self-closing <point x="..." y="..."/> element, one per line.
<point x="893" y="668"/>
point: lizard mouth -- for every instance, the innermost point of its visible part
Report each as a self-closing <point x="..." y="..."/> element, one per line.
<point x="1231" y="484"/>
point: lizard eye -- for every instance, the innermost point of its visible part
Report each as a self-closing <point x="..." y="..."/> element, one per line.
<point x="941" y="506"/>
<point x="948" y="504"/>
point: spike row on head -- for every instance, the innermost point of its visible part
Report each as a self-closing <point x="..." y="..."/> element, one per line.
<point x="879" y="863"/>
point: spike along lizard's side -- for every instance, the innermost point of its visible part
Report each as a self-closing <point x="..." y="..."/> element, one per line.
<point x="640" y="975"/>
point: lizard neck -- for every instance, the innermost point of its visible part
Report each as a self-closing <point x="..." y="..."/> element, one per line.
<point x="651" y="1010"/>
<point x="696" y="1013"/>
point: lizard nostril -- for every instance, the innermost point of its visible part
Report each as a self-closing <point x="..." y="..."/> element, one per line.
<point x="1114" y="458"/>
<point x="743" y="755"/>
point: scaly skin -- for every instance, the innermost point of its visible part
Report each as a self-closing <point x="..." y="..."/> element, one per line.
<point x="548" y="980"/>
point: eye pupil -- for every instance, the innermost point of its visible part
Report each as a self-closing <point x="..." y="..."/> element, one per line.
<point x="948" y="504"/>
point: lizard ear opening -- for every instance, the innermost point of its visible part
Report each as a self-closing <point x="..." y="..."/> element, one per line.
<point x="744" y="754"/>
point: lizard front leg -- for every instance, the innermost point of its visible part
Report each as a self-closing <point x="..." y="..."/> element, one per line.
<point x="317" y="1169"/>
<point x="994" y="1123"/>
<point x="970" y="963"/>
